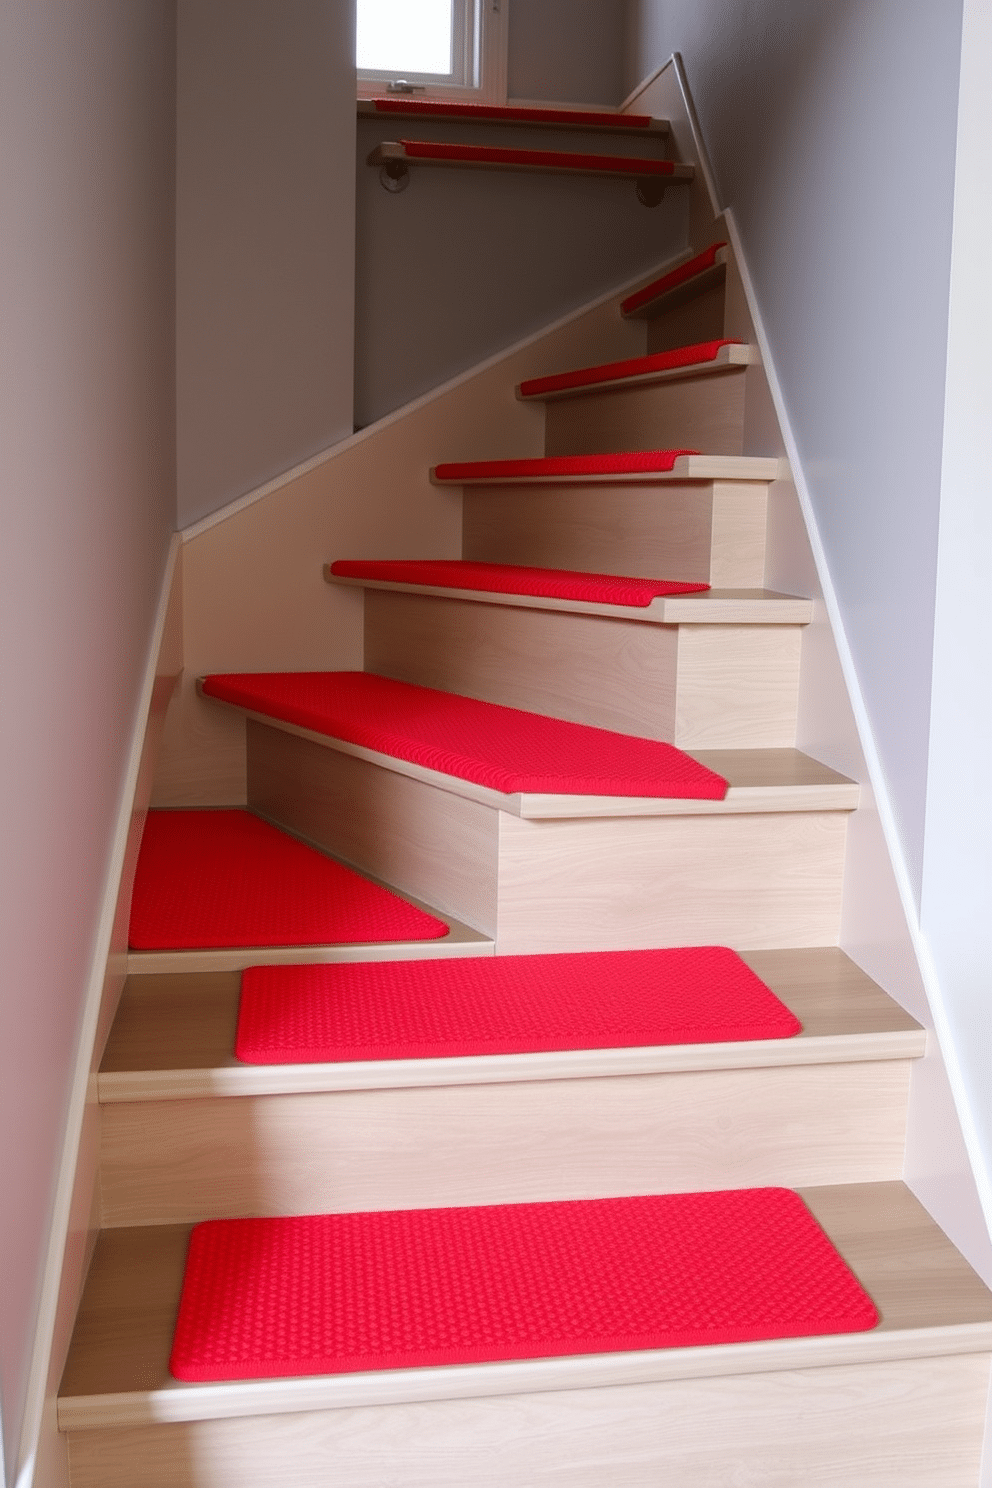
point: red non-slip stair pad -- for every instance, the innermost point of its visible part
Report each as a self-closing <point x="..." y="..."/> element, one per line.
<point x="503" y="748"/>
<point x="661" y="361"/>
<point x="545" y="159"/>
<point x="672" y="280"/>
<point x="511" y="115"/>
<point x="548" y="467"/>
<point x="336" y="1293"/>
<point x="225" y="878"/>
<point x="511" y="578"/>
<point x="504" y="1005"/>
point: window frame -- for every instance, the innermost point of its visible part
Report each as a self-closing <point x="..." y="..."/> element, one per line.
<point x="480" y="31"/>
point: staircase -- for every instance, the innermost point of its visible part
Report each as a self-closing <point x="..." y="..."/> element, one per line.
<point x="191" y="1133"/>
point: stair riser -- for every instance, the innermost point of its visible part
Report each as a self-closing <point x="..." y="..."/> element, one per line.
<point x="907" y="1424"/>
<point x="711" y="532"/>
<point x="749" y="881"/>
<point x="171" y="1162"/>
<point x="698" y="686"/>
<point x="705" y="412"/>
<point x="700" y="316"/>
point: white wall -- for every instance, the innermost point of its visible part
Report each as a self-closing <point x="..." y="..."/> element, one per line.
<point x="569" y="51"/>
<point x="265" y="240"/>
<point x="87" y="500"/>
<point x="831" y="126"/>
<point x="957" y="879"/>
<point x="464" y="263"/>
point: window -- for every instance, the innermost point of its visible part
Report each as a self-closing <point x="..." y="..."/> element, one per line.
<point x="435" y="48"/>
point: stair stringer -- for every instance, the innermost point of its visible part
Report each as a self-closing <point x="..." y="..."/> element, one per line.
<point x="880" y="927"/>
<point x="254" y="597"/>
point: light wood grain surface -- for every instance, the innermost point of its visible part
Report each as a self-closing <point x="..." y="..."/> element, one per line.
<point x="172" y="1161"/>
<point x="759" y="780"/>
<point x="931" y="1303"/>
<point x="705" y="412"/>
<point x="711" y="533"/>
<point x="696" y="686"/>
<point x="746" y="881"/>
<point x="174" y="1037"/>
<point x="437" y="844"/>
<point x="907" y="1424"/>
<point x="709" y="607"/>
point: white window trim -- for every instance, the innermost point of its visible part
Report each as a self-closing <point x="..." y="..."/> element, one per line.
<point x="491" y="19"/>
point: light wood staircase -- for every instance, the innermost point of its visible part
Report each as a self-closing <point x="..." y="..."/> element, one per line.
<point x="189" y="1133"/>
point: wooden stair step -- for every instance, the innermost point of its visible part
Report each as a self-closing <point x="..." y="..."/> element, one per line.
<point x="213" y="1138"/>
<point x="759" y="780"/>
<point x="399" y="155"/>
<point x="585" y="120"/>
<point x="116" y="1375"/>
<point x="703" y="359"/>
<point x="615" y="468"/>
<point x="693" y="278"/>
<point x="706" y="607"/>
<point x="614" y="591"/>
<point x="173" y="1038"/>
<point x="460" y="940"/>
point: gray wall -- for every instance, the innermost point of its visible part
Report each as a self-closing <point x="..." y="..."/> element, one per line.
<point x="464" y="262"/>
<point x="831" y="127"/>
<point x="568" y="51"/>
<point x="265" y="240"/>
<point x="87" y="499"/>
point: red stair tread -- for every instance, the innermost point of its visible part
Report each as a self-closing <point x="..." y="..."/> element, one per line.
<point x="510" y="578"/>
<point x="504" y="1005"/>
<point x="209" y="879"/>
<point x="512" y="115"/>
<point x="502" y="748"/>
<point x="336" y="1293"/>
<point x="661" y="361"/>
<point x="633" y="165"/>
<point x="672" y="280"/>
<point x="547" y="467"/>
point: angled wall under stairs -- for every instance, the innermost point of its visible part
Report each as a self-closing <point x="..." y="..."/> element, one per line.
<point x="189" y="1133"/>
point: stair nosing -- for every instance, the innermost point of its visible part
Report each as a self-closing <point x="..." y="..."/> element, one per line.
<point x="461" y="940"/>
<point x="462" y="1382"/>
<point x="705" y="469"/>
<point x="235" y="1079"/>
<point x="728" y="359"/>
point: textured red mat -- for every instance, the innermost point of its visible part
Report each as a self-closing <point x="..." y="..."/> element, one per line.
<point x="511" y="115"/>
<point x="504" y="1005"/>
<point x="226" y="878"/>
<point x="511" y="578"/>
<point x="565" y="160"/>
<point x="661" y="361"/>
<point x="672" y="280"/>
<point x="627" y="462"/>
<point x="505" y="749"/>
<point x="335" y="1293"/>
